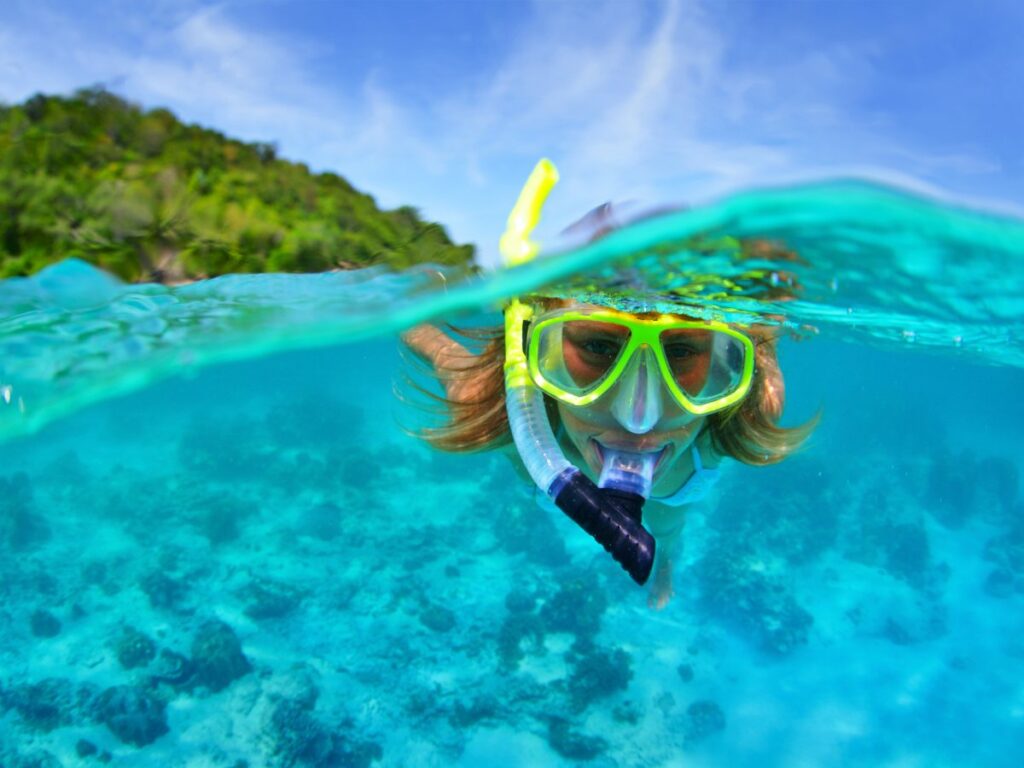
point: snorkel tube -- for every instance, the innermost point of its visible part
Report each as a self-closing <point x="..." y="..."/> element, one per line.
<point x="611" y="514"/>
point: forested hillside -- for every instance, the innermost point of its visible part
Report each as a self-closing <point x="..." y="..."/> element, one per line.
<point x="148" y="197"/>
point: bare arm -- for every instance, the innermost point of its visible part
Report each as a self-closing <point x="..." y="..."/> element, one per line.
<point x="436" y="347"/>
<point x="456" y="366"/>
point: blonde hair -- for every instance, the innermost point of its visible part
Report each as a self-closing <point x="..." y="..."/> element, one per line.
<point x="474" y="416"/>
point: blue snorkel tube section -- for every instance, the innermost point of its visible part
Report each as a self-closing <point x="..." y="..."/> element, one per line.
<point x="612" y="515"/>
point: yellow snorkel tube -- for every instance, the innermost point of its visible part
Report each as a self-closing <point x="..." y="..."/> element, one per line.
<point x="612" y="516"/>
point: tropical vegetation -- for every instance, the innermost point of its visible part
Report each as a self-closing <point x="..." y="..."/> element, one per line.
<point x="148" y="197"/>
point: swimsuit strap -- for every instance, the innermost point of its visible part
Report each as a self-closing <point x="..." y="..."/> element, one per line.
<point x="697" y="486"/>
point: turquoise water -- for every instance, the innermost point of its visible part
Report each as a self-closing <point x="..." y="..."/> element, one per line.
<point x="218" y="547"/>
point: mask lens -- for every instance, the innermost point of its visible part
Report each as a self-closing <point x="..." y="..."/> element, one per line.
<point x="705" y="364"/>
<point x="688" y="352"/>
<point x="577" y="355"/>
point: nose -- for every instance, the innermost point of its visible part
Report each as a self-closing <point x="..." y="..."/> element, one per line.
<point x="637" y="404"/>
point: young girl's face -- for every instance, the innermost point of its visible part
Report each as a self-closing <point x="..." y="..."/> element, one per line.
<point x="592" y="427"/>
<point x="638" y="414"/>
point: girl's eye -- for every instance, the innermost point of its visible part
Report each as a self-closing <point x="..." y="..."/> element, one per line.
<point x="680" y="351"/>
<point x="601" y="347"/>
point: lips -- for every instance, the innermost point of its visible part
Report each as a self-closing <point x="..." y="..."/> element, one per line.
<point x="663" y="452"/>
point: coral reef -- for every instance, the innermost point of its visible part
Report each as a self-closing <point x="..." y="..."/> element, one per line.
<point x="225" y="449"/>
<point x="628" y="712"/>
<point x="737" y="587"/>
<point x="321" y="521"/>
<point x="484" y="707"/>
<point x="163" y="591"/>
<point x="907" y="553"/>
<point x="703" y="719"/>
<point x="571" y="744"/>
<point x="523" y="528"/>
<point x="221" y="520"/>
<point x="132" y="714"/>
<point x="901" y="615"/>
<point x="515" y="629"/>
<point x="597" y="674"/>
<point x="44" y="624"/>
<point x="437" y="618"/>
<point x="520" y="600"/>
<point x="405" y="607"/>
<point x="577" y="606"/>
<point x="269" y="600"/>
<point x="962" y="485"/>
<point x="173" y="669"/>
<point x="134" y="649"/>
<point x="798" y="520"/>
<point x="33" y="759"/>
<point x="885" y="533"/>
<point x="20" y="526"/>
<point x="1006" y="552"/>
<point x="217" y="656"/>
<point x="47" y="704"/>
<point x="85" y="748"/>
<point x="314" y="421"/>
<point x="297" y="738"/>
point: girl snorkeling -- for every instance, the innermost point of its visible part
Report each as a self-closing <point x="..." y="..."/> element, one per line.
<point x="620" y="418"/>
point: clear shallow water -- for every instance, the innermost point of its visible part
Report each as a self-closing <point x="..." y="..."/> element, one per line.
<point x="857" y="605"/>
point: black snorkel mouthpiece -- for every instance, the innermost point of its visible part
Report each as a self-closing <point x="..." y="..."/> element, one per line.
<point x="612" y="517"/>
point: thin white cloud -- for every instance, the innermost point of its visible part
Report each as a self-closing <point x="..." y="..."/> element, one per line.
<point x="236" y="77"/>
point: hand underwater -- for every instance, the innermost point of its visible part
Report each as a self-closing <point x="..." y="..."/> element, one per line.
<point x="662" y="588"/>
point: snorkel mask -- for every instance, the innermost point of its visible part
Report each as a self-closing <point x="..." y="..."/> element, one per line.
<point x="577" y="355"/>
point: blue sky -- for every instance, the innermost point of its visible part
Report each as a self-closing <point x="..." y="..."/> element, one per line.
<point x="447" y="105"/>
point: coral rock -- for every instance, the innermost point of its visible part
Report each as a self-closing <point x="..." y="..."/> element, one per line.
<point x="217" y="656"/>
<point x="45" y="705"/>
<point x="132" y="715"/>
<point x="135" y="649"/>
<point x="437" y="618"/>
<point x="572" y="745"/>
<point x="703" y="719"/>
<point x="44" y="624"/>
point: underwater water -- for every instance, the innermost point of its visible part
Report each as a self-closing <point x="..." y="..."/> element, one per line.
<point x="219" y="546"/>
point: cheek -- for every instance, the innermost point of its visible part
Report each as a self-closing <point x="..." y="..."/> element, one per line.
<point x="580" y="424"/>
<point x="579" y="431"/>
<point x="683" y="430"/>
<point x="678" y="421"/>
<point x="576" y="422"/>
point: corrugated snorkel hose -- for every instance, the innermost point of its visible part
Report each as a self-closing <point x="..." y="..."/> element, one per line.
<point x="613" y="521"/>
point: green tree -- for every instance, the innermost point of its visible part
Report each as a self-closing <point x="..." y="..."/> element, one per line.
<point x="148" y="197"/>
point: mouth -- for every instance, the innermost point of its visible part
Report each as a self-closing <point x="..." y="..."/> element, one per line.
<point x="663" y="453"/>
